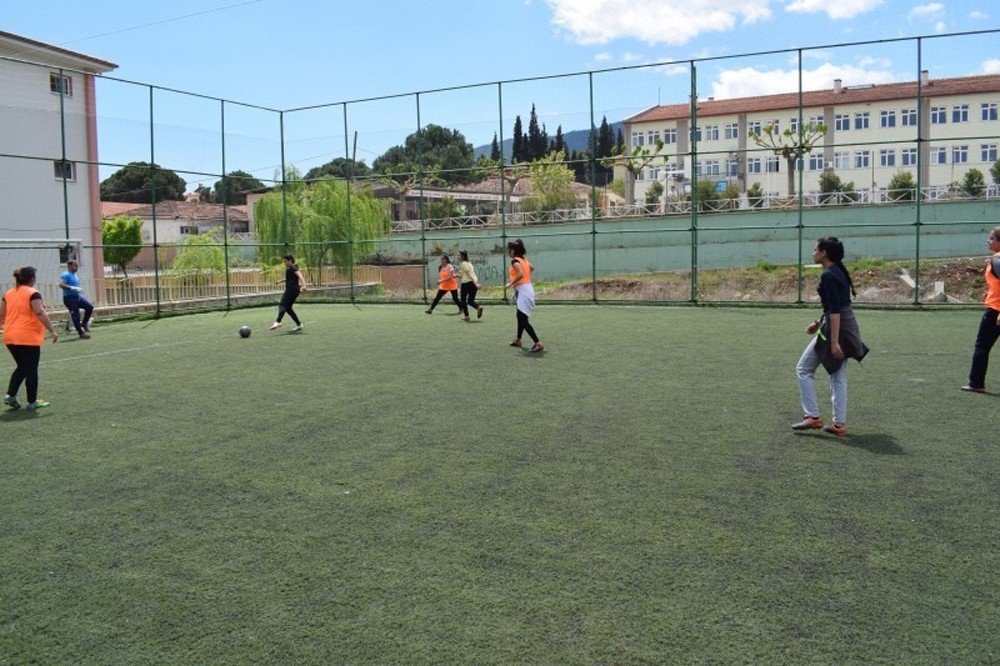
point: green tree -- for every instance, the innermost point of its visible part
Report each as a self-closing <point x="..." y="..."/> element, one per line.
<point x="134" y="183"/>
<point x="122" y="240"/>
<point x="444" y="207"/>
<point x="432" y="147"/>
<point x="605" y="148"/>
<point x="617" y="186"/>
<point x="830" y="186"/>
<point x="755" y="195"/>
<point x="315" y="225"/>
<point x="204" y="194"/>
<point x="537" y="143"/>
<point x="974" y="183"/>
<point x="232" y="189"/>
<point x="995" y="172"/>
<point x="495" y="149"/>
<point x="633" y="161"/>
<point x="790" y="144"/>
<point x="199" y="254"/>
<point x="902" y="187"/>
<point x="653" y="193"/>
<point x="551" y="185"/>
<point x="340" y="167"/>
<point x="511" y="174"/>
<point x="517" y="151"/>
<point x="559" y="143"/>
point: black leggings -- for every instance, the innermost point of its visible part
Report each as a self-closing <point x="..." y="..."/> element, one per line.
<point x="74" y="305"/>
<point x="524" y="326"/>
<point x="987" y="337"/>
<point x="287" y="301"/>
<point x="469" y="291"/>
<point x="442" y="292"/>
<point x="27" y="357"/>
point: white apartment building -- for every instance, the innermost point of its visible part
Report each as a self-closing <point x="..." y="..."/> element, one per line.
<point x="44" y="170"/>
<point x="872" y="134"/>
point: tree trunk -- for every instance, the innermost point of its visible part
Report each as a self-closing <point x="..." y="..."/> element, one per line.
<point x="791" y="176"/>
<point x="629" y="188"/>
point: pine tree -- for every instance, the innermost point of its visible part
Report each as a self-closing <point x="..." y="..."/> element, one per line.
<point x="517" y="150"/>
<point x="495" y="149"/>
<point x="620" y="141"/>
<point x="536" y="147"/>
<point x="605" y="147"/>
<point x="559" y="143"/>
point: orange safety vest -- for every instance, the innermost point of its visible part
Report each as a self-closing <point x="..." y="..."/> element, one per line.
<point x="525" y="271"/>
<point x="21" y="325"/>
<point x="992" y="287"/>
<point x="450" y="282"/>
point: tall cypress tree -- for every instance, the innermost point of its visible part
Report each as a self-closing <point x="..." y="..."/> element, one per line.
<point x="620" y="142"/>
<point x="517" y="150"/>
<point x="559" y="143"/>
<point x="495" y="149"/>
<point x="536" y="148"/>
<point x="544" y="143"/>
<point x="605" y="146"/>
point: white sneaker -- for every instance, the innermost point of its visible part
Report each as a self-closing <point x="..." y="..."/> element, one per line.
<point x="297" y="328"/>
<point x="275" y="325"/>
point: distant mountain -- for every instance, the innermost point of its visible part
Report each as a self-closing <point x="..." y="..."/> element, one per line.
<point x="575" y="140"/>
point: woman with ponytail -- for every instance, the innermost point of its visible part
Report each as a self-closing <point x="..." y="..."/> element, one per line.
<point x="837" y="339"/>
<point x="24" y="323"/>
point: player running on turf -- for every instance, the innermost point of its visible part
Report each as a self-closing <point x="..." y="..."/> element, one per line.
<point x="447" y="284"/>
<point x="524" y="293"/>
<point x="24" y="322"/>
<point x="469" y="287"/>
<point x="74" y="300"/>
<point x="989" y="325"/>
<point x="294" y="285"/>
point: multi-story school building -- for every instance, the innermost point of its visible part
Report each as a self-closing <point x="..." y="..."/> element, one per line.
<point x="873" y="132"/>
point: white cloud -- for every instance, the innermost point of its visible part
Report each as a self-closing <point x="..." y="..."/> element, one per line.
<point x="604" y="56"/>
<point x="991" y="66"/>
<point x="940" y="27"/>
<point x="977" y="15"/>
<point x="928" y="10"/>
<point x="652" y="21"/>
<point x="835" y="9"/>
<point x="750" y="81"/>
<point x="631" y="57"/>
<point x="868" y="62"/>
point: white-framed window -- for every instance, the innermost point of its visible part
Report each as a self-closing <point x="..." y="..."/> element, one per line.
<point x="842" y="160"/>
<point x="909" y="117"/>
<point x="189" y="231"/>
<point x="711" y="132"/>
<point x="988" y="152"/>
<point x="732" y="130"/>
<point x="908" y="157"/>
<point x="798" y="164"/>
<point x="861" y="120"/>
<point x="753" y="126"/>
<point x="775" y="126"/>
<point x="939" y="155"/>
<point x="842" y="122"/>
<point x="670" y="135"/>
<point x="939" y="115"/>
<point x="959" y="154"/>
<point x="732" y="167"/>
<point x="887" y="158"/>
<point x="712" y="168"/>
<point x="773" y="165"/>
<point x="697" y="169"/>
<point x="989" y="110"/>
<point x="793" y="124"/>
<point x="887" y="118"/>
<point x="815" y="120"/>
<point x="654" y="173"/>
<point x="638" y="139"/>
<point x="696" y="133"/>
<point x="862" y="159"/>
<point x="815" y="162"/>
<point x="753" y="165"/>
<point x="960" y="113"/>
<point x="67" y="84"/>
<point x="652" y="136"/>
<point x="64" y="170"/>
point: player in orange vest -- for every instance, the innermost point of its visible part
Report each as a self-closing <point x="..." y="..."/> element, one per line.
<point x="24" y="323"/>
<point x="524" y="293"/>
<point x="447" y="283"/>
<point x="989" y="325"/>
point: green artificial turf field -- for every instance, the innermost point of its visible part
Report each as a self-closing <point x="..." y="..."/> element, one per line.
<point x="394" y="487"/>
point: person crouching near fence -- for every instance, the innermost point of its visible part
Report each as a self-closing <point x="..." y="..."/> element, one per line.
<point x="469" y="286"/>
<point x="74" y="300"/>
<point x="989" y="325"/>
<point x="24" y="322"/>
<point x="524" y="293"/>
<point x="447" y="284"/>
<point x="837" y="339"/>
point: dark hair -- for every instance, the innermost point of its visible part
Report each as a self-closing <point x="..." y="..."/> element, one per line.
<point x="463" y="255"/>
<point x="834" y="249"/>
<point x="24" y="275"/>
<point x="290" y="257"/>
<point x="517" y="247"/>
<point x="445" y="258"/>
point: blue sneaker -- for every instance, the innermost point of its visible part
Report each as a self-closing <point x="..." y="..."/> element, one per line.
<point x="11" y="401"/>
<point x="38" y="404"/>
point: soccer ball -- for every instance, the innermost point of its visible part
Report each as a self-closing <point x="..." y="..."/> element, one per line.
<point x="244" y="331"/>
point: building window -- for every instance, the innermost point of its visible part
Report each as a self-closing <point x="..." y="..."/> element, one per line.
<point x="815" y="121"/>
<point x="654" y="173"/>
<point x="887" y="118"/>
<point x="753" y="165"/>
<point x="842" y="160"/>
<point x="959" y="154"/>
<point x="64" y="170"/>
<point x="887" y="158"/>
<point x="939" y="155"/>
<point x="753" y="126"/>
<point x="861" y="120"/>
<point x="697" y="169"/>
<point x="909" y="117"/>
<point x="696" y="134"/>
<point x="189" y="231"/>
<point x="960" y="114"/>
<point x="989" y="111"/>
<point x="651" y="137"/>
<point x="67" y="84"/>
<point x="772" y="164"/>
<point x="712" y="168"/>
<point x="988" y="152"/>
<point x="842" y="122"/>
<point x="775" y="126"/>
<point x="793" y="124"/>
<point x="732" y="167"/>
<point x="908" y="156"/>
<point x="815" y="162"/>
<point x="711" y="132"/>
<point x="733" y="129"/>
<point x="638" y="139"/>
<point x="862" y="159"/>
<point x="939" y="115"/>
<point x="670" y="135"/>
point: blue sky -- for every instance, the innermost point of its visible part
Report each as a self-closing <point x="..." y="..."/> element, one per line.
<point x="291" y="53"/>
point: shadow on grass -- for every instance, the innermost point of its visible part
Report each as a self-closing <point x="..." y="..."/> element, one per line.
<point x="874" y="442"/>
<point x="22" y="415"/>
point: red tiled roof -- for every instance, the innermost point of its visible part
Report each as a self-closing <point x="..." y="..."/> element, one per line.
<point x="176" y="210"/>
<point x="25" y="47"/>
<point x="820" y="98"/>
<point x="491" y="186"/>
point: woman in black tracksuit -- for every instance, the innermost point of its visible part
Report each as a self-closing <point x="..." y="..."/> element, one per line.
<point x="294" y="285"/>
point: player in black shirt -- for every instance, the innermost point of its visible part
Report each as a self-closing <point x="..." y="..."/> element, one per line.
<point x="294" y="284"/>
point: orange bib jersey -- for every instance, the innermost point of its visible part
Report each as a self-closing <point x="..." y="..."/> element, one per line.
<point x="21" y="325"/>
<point x="450" y="280"/>
<point x="525" y="271"/>
<point x="992" y="300"/>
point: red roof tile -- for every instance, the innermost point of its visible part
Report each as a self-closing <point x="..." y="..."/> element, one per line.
<point x="176" y="210"/>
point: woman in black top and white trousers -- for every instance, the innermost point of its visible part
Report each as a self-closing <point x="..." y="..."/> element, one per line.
<point x="837" y="339"/>
<point x="294" y="284"/>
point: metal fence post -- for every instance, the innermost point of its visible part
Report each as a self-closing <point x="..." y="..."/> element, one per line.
<point x="920" y="166"/>
<point x="350" y="219"/>
<point x="284" y="184"/>
<point x="800" y="225"/>
<point x="503" y="195"/>
<point x="420" y="202"/>
<point x="593" y="193"/>
<point x="694" y="183"/>
<point x="225" y="210"/>
<point x="152" y="187"/>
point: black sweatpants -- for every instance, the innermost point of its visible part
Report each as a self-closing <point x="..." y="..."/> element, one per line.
<point x="524" y="326"/>
<point x="987" y="337"/>
<point x="74" y="305"/>
<point x="442" y="292"/>
<point x="469" y="291"/>
<point x="287" y="301"/>
<point x="27" y="358"/>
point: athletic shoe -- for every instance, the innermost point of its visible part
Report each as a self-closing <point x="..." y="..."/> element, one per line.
<point x="11" y="401"/>
<point x="838" y="429"/>
<point x="275" y="325"/>
<point x="809" y="423"/>
<point x="85" y="335"/>
<point x="479" y="312"/>
<point x="297" y="328"/>
<point x="516" y="343"/>
<point x="428" y="311"/>
<point x="466" y="318"/>
<point x="38" y="404"/>
<point x="974" y="389"/>
<point x="537" y="347"/>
